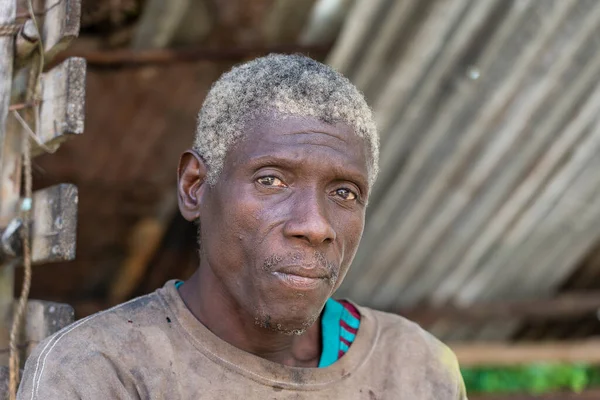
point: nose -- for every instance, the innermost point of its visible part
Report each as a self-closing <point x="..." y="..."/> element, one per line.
<point x="308" y="220"/>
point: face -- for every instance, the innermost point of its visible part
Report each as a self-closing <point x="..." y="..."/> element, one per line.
<point x="282" y="224"/>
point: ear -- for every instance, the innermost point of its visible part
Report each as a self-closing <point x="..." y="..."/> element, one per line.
<point x="191" y="184"/>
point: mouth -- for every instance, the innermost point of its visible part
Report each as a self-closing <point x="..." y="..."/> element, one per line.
<point x="301" y="278"/>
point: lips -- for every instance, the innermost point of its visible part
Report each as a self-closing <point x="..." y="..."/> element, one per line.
<point x="301" y="277"/>
<point x="313" y="272"/>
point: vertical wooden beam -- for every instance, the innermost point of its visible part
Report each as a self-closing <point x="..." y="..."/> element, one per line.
<point x="7" y="16"/>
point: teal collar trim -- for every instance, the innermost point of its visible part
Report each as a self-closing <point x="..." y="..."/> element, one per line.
<point x="330" y="332"/>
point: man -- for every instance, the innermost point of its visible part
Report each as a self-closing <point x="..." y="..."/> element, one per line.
<point x="285" y="155"/>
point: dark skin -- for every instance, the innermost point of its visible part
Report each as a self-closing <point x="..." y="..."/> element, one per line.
<point x="278" y="231"/>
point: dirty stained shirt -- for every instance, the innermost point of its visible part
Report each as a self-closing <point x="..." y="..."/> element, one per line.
<point x="153" y="347"/>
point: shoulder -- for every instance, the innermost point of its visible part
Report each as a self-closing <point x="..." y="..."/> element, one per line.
<point x="104" y="329"/>
<point x="395" y="328"/>
<point x="98" y="344"/>
<point x="410" y="345"/>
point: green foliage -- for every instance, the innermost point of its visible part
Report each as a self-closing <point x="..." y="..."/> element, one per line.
<point x="535" y="378"/>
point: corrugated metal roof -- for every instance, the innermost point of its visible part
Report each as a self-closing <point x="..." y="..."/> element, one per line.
<point x="489" y="114"/>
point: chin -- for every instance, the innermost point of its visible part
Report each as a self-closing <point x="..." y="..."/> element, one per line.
<point x="288" y="319"/>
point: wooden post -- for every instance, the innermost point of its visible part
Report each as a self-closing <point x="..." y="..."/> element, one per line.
<point x="60" y="107"/>
<point x="7" y="16"/>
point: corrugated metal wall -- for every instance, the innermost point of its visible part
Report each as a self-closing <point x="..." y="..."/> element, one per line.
<point x="489" y="115"/>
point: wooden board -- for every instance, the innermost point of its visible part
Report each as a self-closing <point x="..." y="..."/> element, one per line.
<point x="54" y="227"/>
<point x="43" y="318"/>
<point x="62" y="110"/>
<point x="59" y="22"/>
<point x="566" y="306"/>
<point x="499" y="354"/>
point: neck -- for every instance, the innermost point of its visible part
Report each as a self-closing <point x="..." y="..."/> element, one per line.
<point x="216" y="310"/>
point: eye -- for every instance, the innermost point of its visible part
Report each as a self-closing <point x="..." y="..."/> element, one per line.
<point x="346" y="194"/>
<point x="270" y="181"/>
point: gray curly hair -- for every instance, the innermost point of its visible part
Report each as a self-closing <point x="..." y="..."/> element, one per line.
<point x="289" y="84"/>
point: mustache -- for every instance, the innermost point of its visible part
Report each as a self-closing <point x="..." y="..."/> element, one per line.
<point x="316" y="258"/>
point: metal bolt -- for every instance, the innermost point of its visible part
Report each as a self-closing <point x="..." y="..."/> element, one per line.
<point x="26" y="204"/>
<point x="58" y="222"/>
<point x="473" y="73"/>
<point x="10" y="239"/>
<point x="51" y="309"/>
<point x="55" y="249"/>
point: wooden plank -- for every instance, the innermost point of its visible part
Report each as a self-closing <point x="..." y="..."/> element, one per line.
<point x="54" y="229"/>
<point x="131" y="58"/>
<point x="61" y="24"/>
<point x="66" y="20"/>
<point x="43" y="318"/>
<point x="62" y="108"/>
<point x="563" y="307"/>
<point x="500" y="354"/>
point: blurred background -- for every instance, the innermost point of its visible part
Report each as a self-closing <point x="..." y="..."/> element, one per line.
<point x="484" y="224"/>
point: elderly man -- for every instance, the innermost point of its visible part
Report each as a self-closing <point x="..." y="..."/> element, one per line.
<point x="285" y="155"/>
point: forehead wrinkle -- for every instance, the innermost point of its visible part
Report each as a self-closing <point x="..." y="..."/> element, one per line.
<point x="297" y="152"/>
<point x="286" y="146"/>
<point x="313" y="131"/>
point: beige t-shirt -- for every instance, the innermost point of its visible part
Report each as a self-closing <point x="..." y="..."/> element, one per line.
<point x="153" y="347"/>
